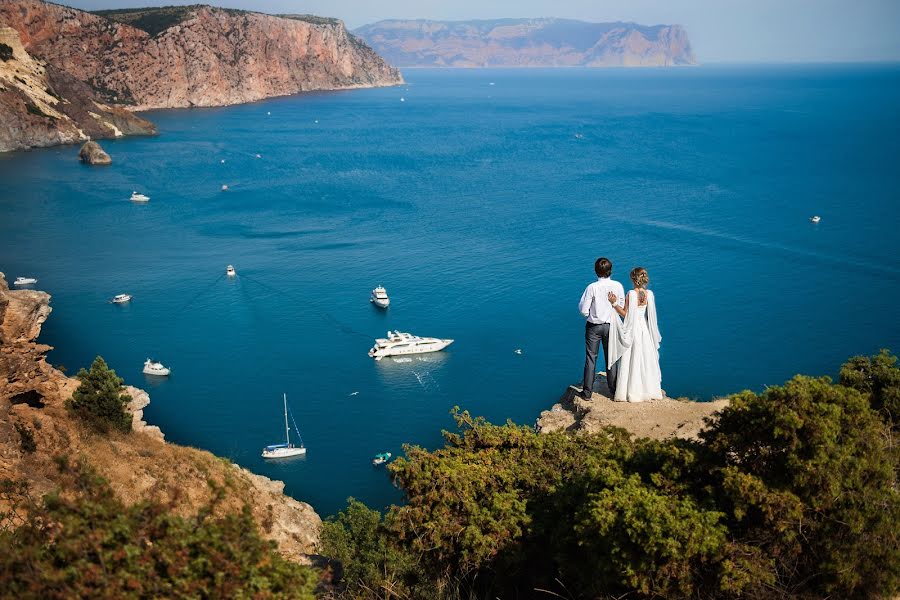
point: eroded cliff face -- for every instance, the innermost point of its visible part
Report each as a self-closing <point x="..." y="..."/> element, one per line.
<point x="528" y="43"/>
<point x="208" y="57"/>
<point x="43" y="106"/>
<point x="139" y="465"/>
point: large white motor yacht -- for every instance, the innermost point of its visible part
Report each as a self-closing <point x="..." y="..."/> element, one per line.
<point x="380" y="297"/>
<point x="135" y="197"/>
<point x="25" y="281"/>
<point x="121" y="298"/>
<point x="155" y="368"/>
<point x="399" y="344"/>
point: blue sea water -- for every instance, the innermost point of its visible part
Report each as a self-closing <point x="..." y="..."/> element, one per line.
<point x="480" y="202"/>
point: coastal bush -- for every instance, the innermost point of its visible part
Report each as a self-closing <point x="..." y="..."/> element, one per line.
<point x="6" y="52"/>
<point x="791" y="493"/>
<point x="84" y="543"/>
<point x="100" y="400"/>
<point x="879" y="378"/>
<point x="26" y="439"/>
<point x="357" y="539"/>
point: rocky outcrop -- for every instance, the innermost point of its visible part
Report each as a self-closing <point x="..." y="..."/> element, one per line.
<point x="138" y="465"/>
<point x="197" y="55"/>
<point x="43" y="106"/>
<point x="92" y="154"/>
<point x="528" y="43"/>
<point x="658" y="419"/>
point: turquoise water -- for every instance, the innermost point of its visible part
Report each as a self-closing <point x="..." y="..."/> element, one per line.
<point x="481" y="211"/>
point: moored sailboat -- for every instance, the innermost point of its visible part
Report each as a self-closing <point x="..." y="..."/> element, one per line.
<point x="287" y="448"/>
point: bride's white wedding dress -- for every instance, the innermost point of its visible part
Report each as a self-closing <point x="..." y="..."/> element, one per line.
<point x="635" y="342"/>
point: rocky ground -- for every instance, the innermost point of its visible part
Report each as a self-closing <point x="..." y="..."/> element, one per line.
<point x="138" y="465"/>
<point x="658" y="419"/>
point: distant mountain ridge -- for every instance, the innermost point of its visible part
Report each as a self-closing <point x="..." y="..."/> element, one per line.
<point x="544" y="42"/>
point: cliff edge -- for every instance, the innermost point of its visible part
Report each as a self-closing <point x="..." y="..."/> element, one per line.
<point x="138" y="465"/>
<point x="657" y="419"/>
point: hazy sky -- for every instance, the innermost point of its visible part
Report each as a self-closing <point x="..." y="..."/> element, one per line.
<point x="720" y="30"/>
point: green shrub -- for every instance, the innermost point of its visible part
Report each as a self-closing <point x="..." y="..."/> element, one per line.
<point x="357" y="539"/>
<point x="100" y="400"/>
<point x="6" y="52"/>
<point x="86" y="544"/>
<point x="792" y="493"/>
<point x="879" y="378"/>
<point x="26" y="439"/>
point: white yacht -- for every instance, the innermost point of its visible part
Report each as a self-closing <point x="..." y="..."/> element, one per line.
<point x="135" y="197"/>
<point x="815" y="218"/>
<point x="121" y="298"/>
<point x="224" y="188"/>
<point x="286" y="449"/>
<point x="398" y="344"/>
<point x="380" y="297"/>
<point x="25" y="281"/>
<point x="230" y="271"/>
<point x="155" y="368"/>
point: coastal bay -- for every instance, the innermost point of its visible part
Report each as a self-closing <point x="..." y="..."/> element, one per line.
<point x="481" y="208"/>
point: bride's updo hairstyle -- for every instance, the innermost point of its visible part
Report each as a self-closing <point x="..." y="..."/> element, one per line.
<point x="639" y="277"/>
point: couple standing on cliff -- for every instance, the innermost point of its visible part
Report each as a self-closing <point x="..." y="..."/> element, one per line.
<point x="626" y="326"/>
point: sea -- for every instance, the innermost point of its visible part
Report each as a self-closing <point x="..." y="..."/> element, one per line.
<point x="480" y="199"/>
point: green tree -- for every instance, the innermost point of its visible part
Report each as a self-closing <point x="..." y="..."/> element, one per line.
<point x="100" y="400"/>
<point x="370" y="560"/>
<point x="879" y="378"/>
<point x="808" y="473"/>
<point x="26" y="439"/>
<point x="84" y="543"/>
<point x="6" y="52"/>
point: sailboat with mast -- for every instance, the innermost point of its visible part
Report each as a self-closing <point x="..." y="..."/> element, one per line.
<point x="287" y="448"/>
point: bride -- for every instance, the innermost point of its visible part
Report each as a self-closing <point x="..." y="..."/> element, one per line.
<point x="636" y="343"/>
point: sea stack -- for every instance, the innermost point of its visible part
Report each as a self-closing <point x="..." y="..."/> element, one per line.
<point x="91" y="153"/>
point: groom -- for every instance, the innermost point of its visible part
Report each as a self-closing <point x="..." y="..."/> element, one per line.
<point x="598" y="312"/>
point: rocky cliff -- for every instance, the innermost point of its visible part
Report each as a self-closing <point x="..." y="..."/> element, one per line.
<point x="162" y="58"/>
<point x="657" y="419"/>
<point x="528" y="43"/>
<point x="41" y="105"/>
<point x="138" y="465"/>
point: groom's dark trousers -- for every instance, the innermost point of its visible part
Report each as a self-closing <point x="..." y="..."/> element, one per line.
<point x="594" y="335"/>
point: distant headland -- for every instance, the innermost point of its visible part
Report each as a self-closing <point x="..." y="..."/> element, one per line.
<point x="528" y="43"/>
<point x="67" y="75"/>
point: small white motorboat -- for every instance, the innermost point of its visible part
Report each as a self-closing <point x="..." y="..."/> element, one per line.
<point x="25" y="281"/>
<point x="135" y="197"/>
<point x="230" y="271"/>
<point x="380" y="297"/>
<point x="287" y="448"/>
<point x="224" y="188"/>
<point x="121" y="298"/>
<point x="381" y="458"/>
<point x="815" y="219"/>
<point x="398" y="343"/>
<point x="155" y="368"/>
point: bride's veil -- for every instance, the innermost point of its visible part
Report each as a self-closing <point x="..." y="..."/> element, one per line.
<point x="621" y="334"/>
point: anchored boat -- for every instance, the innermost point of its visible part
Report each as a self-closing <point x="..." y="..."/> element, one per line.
<point x="380" y="297"/>
<point x="152" y="367"/>
<point x="398" y="343"/>
<point x="121" y="298"/>
<point x="135" y="197"/>
<point x="25" y="281"/>
<point x="286" y="449"/>
<point x="381" y="458"/>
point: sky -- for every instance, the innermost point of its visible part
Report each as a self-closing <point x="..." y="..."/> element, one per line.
<point x="719" y="30"/>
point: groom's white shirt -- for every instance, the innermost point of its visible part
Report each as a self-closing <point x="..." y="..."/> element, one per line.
<point x="594" y="304"/>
